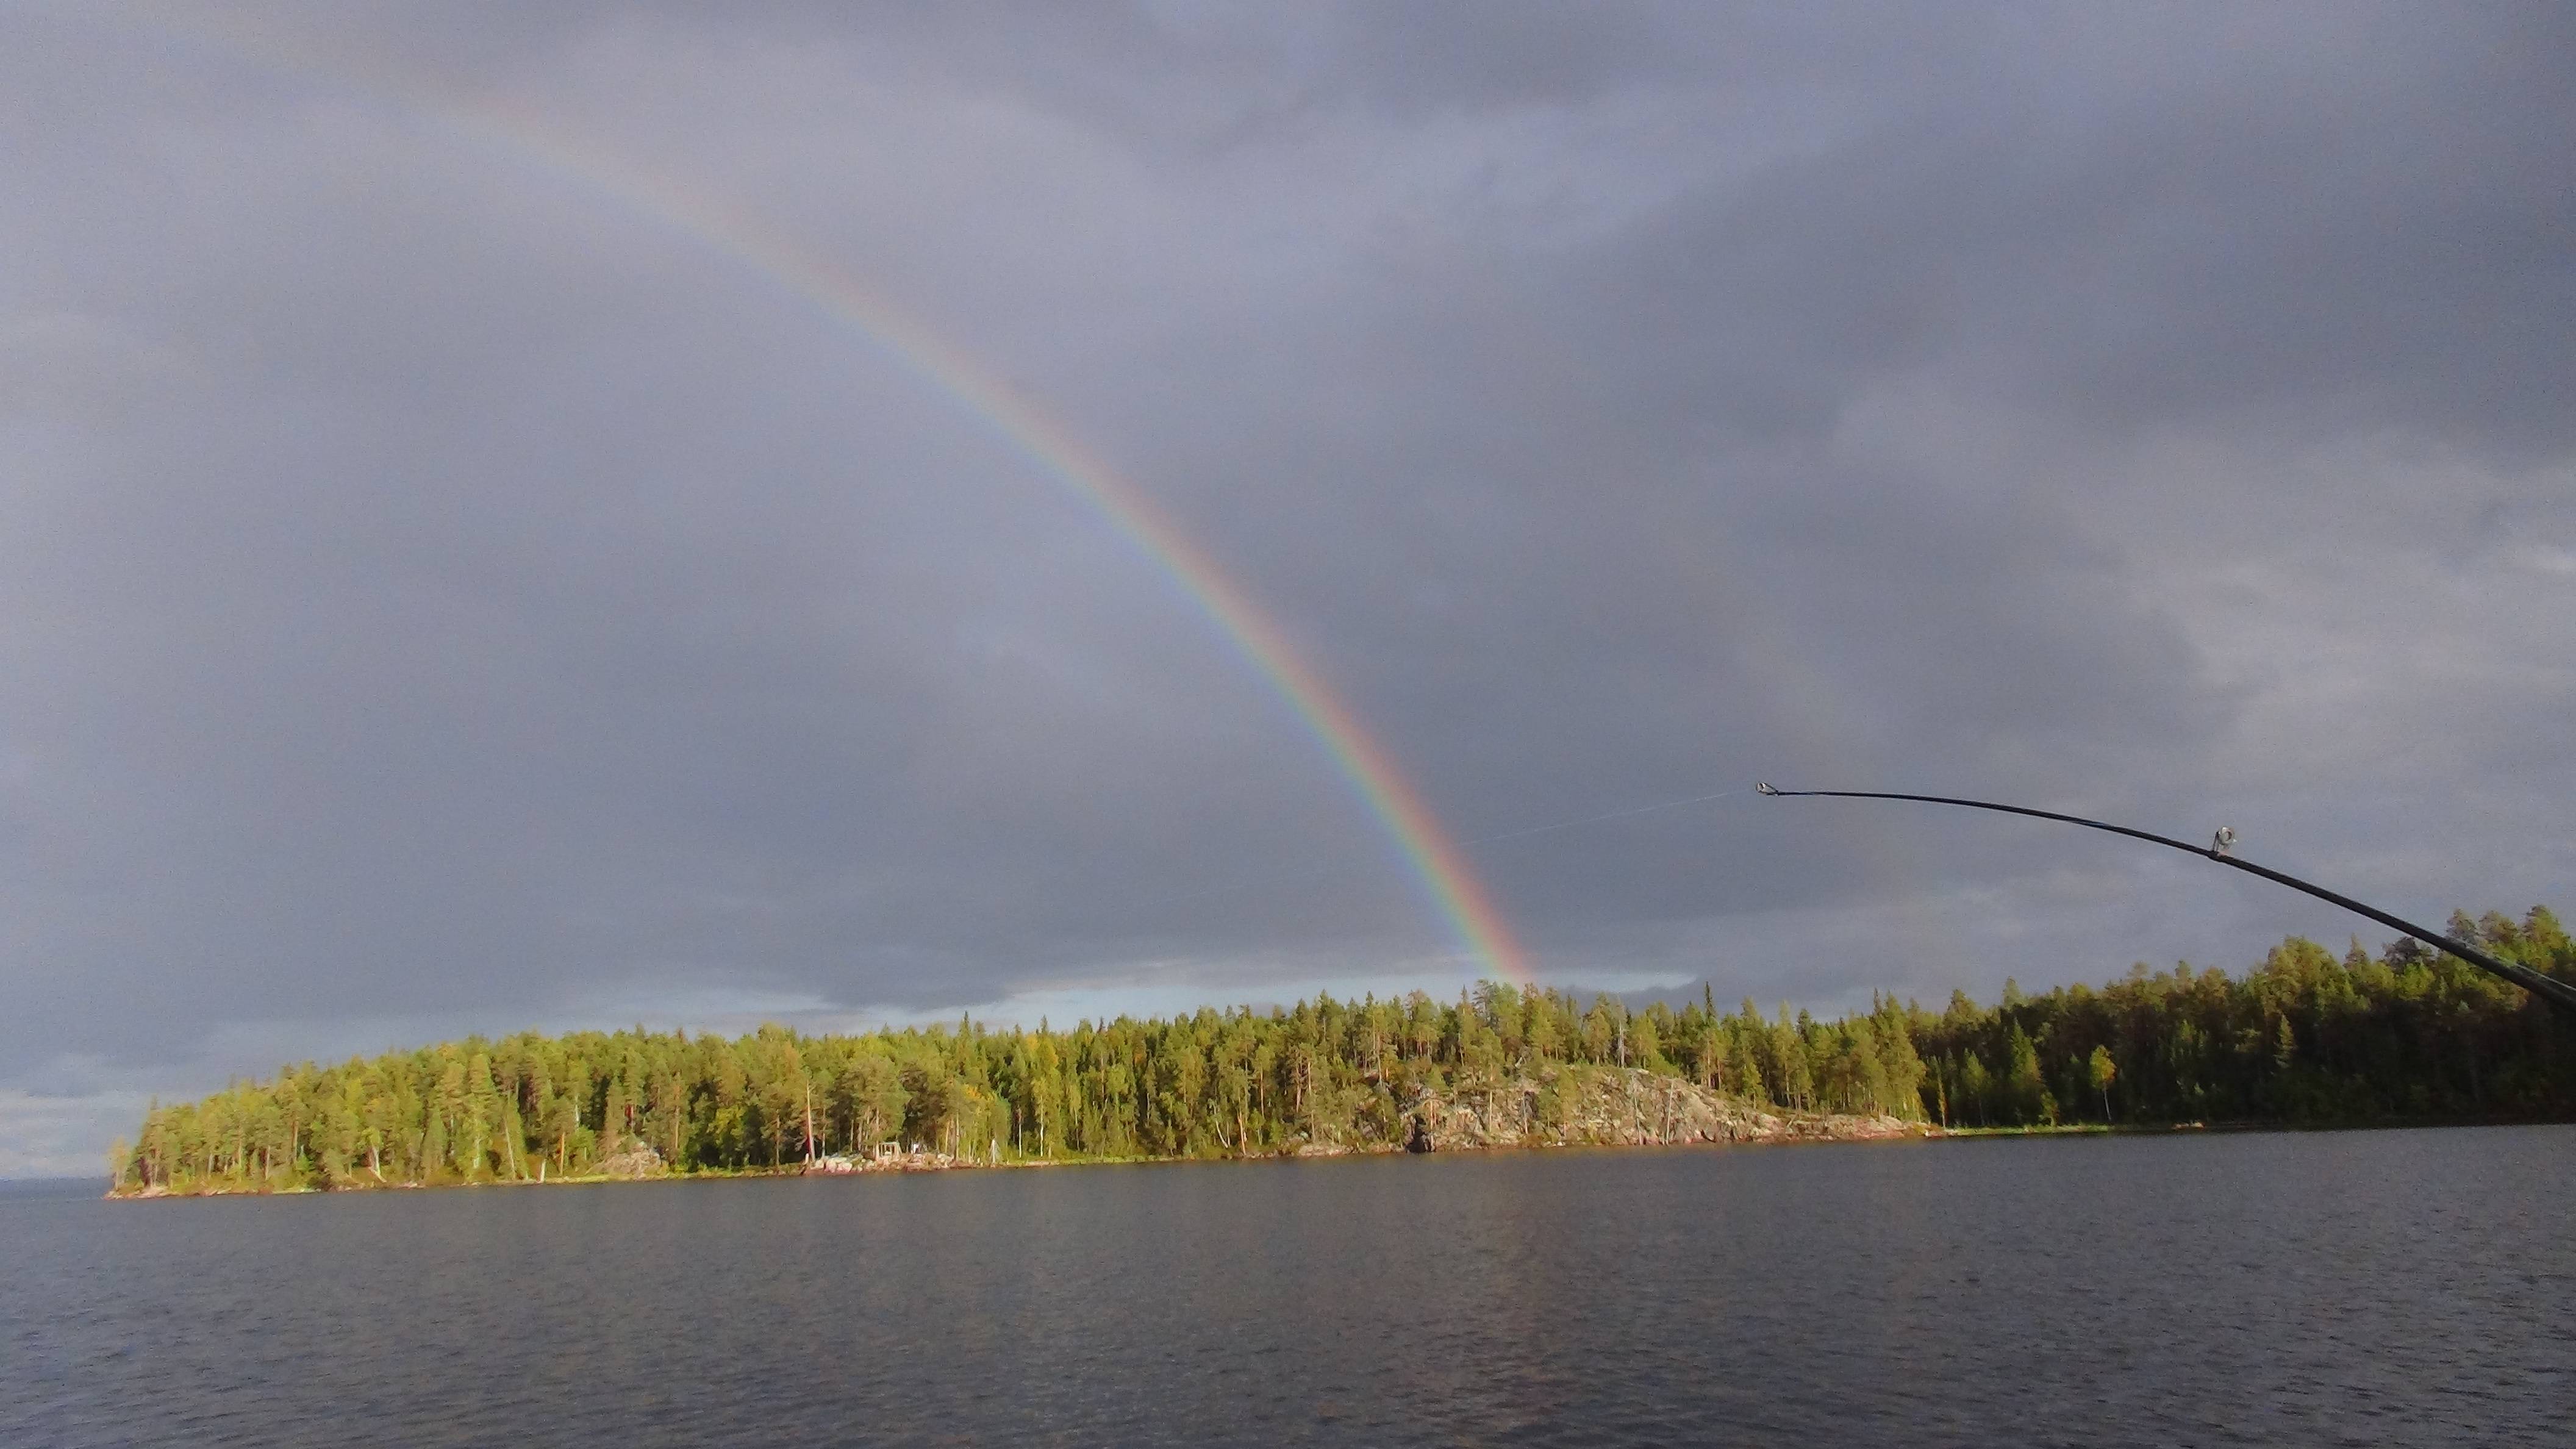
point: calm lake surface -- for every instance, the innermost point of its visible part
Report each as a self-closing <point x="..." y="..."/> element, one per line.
<point x="2332" y="1288"/>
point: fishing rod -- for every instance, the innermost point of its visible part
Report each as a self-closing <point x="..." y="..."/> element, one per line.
<point x="2222" y="850"/>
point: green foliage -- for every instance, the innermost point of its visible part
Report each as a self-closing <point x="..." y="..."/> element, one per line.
<point x="2303" y="1037"/>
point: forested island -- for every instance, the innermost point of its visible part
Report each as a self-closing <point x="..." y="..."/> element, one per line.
<point x="2305" y="1037"/>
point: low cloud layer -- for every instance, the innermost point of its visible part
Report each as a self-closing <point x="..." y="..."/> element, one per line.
<point x="437" y="594"/>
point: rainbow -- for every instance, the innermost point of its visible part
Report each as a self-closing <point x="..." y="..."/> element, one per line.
<point x="1432" y="855"/>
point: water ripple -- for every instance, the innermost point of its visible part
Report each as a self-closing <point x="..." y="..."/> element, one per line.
<point x="2349" y="1288"/>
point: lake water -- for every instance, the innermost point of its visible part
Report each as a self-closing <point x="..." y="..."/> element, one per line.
<point x="2332" y="1288"/>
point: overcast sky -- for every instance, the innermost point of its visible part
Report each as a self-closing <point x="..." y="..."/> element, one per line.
<point x="438" y="595"/>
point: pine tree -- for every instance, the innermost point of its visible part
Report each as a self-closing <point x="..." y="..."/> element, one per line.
<point x="2305" y="1034"/>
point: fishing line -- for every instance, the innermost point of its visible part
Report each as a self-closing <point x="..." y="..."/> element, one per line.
<point x="1314" y="871"/>
<point x="1597" y="819"/>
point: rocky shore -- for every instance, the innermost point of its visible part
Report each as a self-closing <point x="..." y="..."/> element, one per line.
<point x="1614" y="1107"/>
<point x="1566" y="1107"/>
<point x="1563" y="1107"/>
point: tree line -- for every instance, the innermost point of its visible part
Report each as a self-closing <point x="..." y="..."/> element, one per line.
<point x="2304" y="1036"/>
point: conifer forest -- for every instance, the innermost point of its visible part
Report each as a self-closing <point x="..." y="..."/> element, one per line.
<point x="2306" y="1036"/>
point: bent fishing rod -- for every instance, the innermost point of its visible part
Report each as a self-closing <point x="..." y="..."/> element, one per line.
<point x="2222" y="850"/>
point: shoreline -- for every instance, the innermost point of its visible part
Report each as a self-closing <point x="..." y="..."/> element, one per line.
<point x="1818" y="1129"/>
<point x="1603" y="1106"/>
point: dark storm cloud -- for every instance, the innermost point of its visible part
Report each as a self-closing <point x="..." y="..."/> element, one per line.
<point x="438" y="597"/>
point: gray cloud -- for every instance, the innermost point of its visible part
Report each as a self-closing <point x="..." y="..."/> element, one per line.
<point x="438" y="596"/>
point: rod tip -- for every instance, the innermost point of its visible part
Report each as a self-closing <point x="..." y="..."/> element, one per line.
<point x="1764" y="788"/>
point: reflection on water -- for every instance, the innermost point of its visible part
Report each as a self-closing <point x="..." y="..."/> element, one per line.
<point x="2362" y="1287"/>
